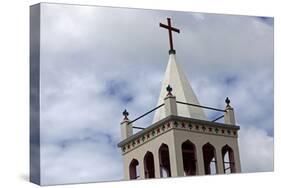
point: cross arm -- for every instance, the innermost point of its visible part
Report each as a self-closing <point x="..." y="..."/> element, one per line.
<point x="169" y="27"/>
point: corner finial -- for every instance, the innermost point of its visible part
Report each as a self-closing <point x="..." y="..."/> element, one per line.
<point x="125" y="114"/>
<point x="227" y="101"/>
<point x="169" y="89"/>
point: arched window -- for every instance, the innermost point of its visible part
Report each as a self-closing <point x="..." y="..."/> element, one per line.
<point x="210" y="162"/>
<point x="149" y="165"/>
<point x="228" y="160"/>
<point x="189" y="158"/>
<point x="164" y="160"/>
<point x="134" y="169"/>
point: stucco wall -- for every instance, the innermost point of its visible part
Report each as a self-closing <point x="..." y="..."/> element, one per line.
<point x="174" y="139"/>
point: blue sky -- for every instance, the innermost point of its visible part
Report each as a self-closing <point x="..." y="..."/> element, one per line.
<point x="95" y="62"/>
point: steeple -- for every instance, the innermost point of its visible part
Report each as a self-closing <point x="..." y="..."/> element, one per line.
<point x="180" y="141"/>
<point x="175" y="77"/>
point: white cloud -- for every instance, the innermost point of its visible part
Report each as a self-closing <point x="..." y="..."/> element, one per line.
<point x="80" y="161"/>
<point x="256" y="150"/>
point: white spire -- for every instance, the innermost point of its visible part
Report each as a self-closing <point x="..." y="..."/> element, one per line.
<point x="174" y="76"/>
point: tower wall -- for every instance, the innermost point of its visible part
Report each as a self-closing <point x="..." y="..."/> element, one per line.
<point x="174" y="138"/>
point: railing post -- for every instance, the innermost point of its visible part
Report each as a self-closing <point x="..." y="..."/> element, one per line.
<point x="126" y="126"/>
<point x="170" y="103"/>
<point x="229" y="117"/>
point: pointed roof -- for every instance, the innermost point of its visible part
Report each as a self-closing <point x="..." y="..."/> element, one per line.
<point x="174" y="76"/>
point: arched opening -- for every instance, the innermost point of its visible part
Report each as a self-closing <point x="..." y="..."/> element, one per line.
<point x="164" y="160"/>
<point x="134" y="169"/>
<point x="189" y="158"/>
<point x="149" y="165"/>
<point x="228" y="160"/>
<point x="209" y="156"/>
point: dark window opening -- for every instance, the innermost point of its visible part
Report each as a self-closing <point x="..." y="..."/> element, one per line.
<point x="134" y="169"/>
<point x="164" y="160"/>
<point x="149" y="165"/>
<point x="228" y="160"/>
<point x="209" y="156"/>
<point x="189" y="158"/>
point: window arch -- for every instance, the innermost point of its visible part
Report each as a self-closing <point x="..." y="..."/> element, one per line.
<point x="228" y="159"/>
<point x="134" y="169"/>
<point x="149" y="165"/>
<point x="189" y="158"/>
<point x="210" y="161"/>
<point x="164" y="161"/>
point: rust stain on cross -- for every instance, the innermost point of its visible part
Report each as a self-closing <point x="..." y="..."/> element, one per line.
<point x="170" y="29"/>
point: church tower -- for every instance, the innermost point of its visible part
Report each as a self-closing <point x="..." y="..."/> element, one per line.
<point x="181" y="140"/>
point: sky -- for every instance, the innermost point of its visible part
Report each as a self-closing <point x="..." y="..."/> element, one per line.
<point x="97" y="61"/>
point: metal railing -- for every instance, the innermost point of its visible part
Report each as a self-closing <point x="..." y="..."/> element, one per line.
<point x="206" y="107"/>
<point x="179" y="102"/>
<point x="218" y="118"/>
<point x="199" y="106"/>
<point x="145" y="115"/>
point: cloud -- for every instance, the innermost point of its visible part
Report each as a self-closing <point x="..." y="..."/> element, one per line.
<point x="96" y="61"/>
<point x="83" y="160"/>
<point x="256" y="150"/>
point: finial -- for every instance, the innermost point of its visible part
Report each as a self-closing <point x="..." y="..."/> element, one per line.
<point x="169" y="89"/>
<point x="125" y="114"/>
<point x="227" y="101"/>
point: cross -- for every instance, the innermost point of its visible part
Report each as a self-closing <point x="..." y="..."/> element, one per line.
<point x="170" y="29"/>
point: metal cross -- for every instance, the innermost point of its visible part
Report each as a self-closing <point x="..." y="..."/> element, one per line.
<point x="170" y="29"/>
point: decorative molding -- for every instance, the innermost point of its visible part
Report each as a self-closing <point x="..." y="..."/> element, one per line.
<point x="227" y="131"/>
